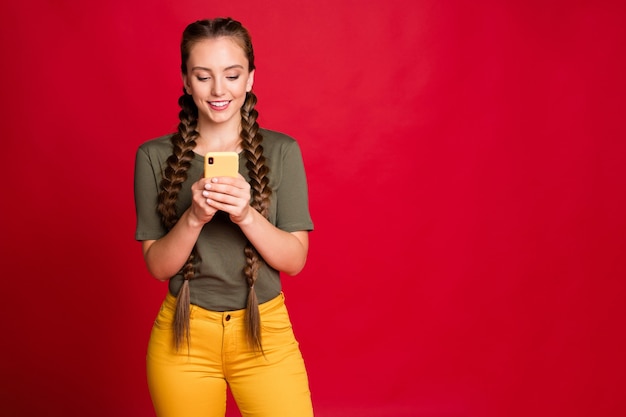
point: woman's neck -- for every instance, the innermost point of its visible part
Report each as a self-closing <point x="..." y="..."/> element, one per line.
<point x="215" y="138"/>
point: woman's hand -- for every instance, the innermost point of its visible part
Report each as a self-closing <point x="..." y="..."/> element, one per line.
<point x="167" y="255"/>
<point x="201" y="211"/>
<point x="230" y="195"/>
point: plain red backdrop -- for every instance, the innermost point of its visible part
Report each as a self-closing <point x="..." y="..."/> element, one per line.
<point x="467" y="183"/>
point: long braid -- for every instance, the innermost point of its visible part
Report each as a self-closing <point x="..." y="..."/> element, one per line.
<point x="180" y="160"/>
<point x="174" y="176"/>
<point x="261" y="192"/>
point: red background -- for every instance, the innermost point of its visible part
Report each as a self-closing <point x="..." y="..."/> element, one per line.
<point x="467" y="183"/>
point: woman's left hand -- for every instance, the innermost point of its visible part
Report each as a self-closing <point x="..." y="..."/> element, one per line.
<point x="231" y="195"/>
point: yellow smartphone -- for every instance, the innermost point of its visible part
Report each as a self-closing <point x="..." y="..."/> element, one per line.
<point x="221" y="164"/>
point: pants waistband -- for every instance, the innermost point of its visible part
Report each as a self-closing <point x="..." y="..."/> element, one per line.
<point x="197" y="312"/>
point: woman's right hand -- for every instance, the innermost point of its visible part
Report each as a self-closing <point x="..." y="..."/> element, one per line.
<point x="167" y="255"/>
<point x="200" y="211"/>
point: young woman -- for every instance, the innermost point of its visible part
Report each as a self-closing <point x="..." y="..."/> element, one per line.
<point x="222" y="242"/>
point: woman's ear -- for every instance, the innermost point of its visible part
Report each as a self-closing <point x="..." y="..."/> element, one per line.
<point x="250" y="82"/>
<point x="186" y="84"/>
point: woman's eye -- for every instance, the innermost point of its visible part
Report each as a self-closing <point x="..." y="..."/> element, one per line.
<point x="202" y="78"/>
<point x="232" y="77"/>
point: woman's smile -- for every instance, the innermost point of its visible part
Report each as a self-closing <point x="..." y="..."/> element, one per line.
<point x="219" y="105"/>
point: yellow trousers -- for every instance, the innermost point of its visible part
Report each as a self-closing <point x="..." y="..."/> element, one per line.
<point x="192" y="382"/>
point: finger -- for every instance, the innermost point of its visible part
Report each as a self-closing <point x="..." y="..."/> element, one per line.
<point x="232" y="210"/>
<point x="222" y="199"/>
<point x="238" y="182"/>
<point x="226" y="194"/>
<point x="200" y="184"/>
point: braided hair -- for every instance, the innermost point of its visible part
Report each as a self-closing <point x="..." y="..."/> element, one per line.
<point x="178" y="163"/>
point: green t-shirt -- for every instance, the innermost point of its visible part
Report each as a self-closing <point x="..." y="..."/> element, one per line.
<point x="220" y="284"/>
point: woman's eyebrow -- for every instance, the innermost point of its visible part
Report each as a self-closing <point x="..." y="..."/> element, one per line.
<point x="236" y="66"/>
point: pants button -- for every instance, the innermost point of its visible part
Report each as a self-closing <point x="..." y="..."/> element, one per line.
<point x="227" y="317"/>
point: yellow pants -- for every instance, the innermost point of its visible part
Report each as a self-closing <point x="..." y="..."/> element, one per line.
<point x="192" y="382"/>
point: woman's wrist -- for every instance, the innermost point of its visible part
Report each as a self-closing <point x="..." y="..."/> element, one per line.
<point x="191" y="221"/>
<point x="248" y="219"/>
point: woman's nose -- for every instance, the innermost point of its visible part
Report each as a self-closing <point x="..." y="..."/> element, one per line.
<point x="218" y="88"/>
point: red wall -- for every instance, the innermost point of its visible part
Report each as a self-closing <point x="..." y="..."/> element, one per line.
<point x="467" y="183"/>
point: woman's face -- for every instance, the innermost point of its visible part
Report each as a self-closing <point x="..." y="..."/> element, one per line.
<point x="218" y="78"/>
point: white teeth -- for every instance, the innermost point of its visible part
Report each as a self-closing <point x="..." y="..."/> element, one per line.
<point x="218" y="103"/>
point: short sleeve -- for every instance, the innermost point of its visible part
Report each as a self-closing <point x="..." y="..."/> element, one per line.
<point x="146" y="187"/>
<point x="292" y="204"/>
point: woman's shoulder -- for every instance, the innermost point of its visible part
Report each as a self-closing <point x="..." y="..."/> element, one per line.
<point x="276" y="139"/>
<point x="159" y="145"/>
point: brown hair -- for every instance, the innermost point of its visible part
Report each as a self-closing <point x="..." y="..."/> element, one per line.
<point x="178" y="163"/>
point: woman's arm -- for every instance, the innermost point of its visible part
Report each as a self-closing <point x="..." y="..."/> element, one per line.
<point x="166" y="256"/>
<point x="284" y="251"/>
